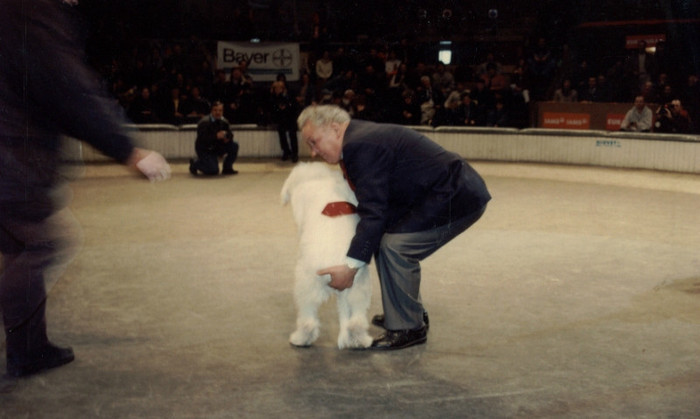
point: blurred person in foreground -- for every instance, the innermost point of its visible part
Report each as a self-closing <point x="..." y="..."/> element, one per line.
<point x="413" y="198"/>
<point x="47" y="92"/>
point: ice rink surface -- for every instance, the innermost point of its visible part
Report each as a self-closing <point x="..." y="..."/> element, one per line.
<point x="576" y="295"/>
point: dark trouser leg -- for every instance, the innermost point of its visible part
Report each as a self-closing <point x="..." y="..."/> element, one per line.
<point x="284" y="145"/>
<point x="398" y="265"/>
<point x="32" y="251"/>
<point x="294" y="141"/>
<point x="207" y="163"/>
<point x="231" y="151"/>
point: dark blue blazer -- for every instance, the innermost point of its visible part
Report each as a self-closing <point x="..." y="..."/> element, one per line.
<point x="404" y="183"/>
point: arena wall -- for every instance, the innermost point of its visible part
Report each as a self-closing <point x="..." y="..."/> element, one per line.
<point x="665" y="152"/>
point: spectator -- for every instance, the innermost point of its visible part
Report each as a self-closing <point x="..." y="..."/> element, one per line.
<point x="361" y="110"/>
<point x="642" y="63"/>
<point x="410" y="110"/>
<point x="196" y="107"/>
<point x="443" y="79"/>
<point x="430" y="101"/>
<point x="172" y="110"/>
<point x="482" y="68"/>
<point x="283" y="113"/>
<point x="391" y="65"/>
<point x="672" y="118"/>
<point x="220" y="89"/>
<point x="541" y="65"/>
<point x="483" y="97"/>
<point x="454" y="99"/>
<point x="604" y="90"/>
<point x="690" y="97"/>
<point x="666" y="94"/>
<point x="324" y="69"/>
<point x="306" y="95"/>
<point x="498" y="116"/>
<point x="651" y="95"/>
<point x="214" y="139"/>
<point x="494" y="80"/>
<point x="639" y="118"/>
<point x="241" y="106"/>
<point x="566" y="93"/>
<point x="142" y="109"/>
<point x="591" y="93"/>
<point x="467" y="113"/>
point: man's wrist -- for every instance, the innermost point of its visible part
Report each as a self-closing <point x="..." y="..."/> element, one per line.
<point x="354" y="263"/>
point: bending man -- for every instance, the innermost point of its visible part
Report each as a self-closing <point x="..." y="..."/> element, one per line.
<point x="414" y="197"/>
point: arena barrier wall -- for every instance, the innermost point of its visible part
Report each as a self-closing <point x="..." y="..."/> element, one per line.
<point x="665" y="152"/>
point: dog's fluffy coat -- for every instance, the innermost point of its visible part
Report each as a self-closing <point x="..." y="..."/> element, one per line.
<point x="324" y="242"/>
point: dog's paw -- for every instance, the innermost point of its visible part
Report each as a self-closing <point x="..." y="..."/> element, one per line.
<point x="304" y="336"/>
<point x="354" y="338"/>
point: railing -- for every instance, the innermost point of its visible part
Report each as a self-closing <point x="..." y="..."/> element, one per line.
<point x="666" y="152"/>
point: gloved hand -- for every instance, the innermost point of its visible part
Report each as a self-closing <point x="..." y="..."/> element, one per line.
<point x="151" y="164"/>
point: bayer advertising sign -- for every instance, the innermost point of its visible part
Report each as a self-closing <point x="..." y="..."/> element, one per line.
<point x="265" y="60"/>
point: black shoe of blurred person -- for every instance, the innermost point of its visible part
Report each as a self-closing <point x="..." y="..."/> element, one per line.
<point x="193" y="170"/>
<point x="49" y="356"/>
<point x="378" y="320"/>
<point x="28" y="348"/>
<point x="400" y="339"/>
<point x="229" y="172"/>
<point x="285" y="157"/>
<point x="295" y="158"/>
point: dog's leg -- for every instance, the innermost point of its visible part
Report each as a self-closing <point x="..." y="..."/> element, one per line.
<point x="307" y="330"/>
<point x="344" y="338"/>
<point x="308" y="297"/>
<point x="357" y="300"/>
<point x="353" y="322"/>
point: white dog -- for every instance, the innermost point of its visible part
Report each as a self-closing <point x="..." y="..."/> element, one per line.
<point x="323" y="242"/>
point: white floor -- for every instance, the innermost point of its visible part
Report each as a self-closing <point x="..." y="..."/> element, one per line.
<point x="577" y="295"/>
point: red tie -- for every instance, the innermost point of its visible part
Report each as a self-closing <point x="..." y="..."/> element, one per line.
<point x="345" y="174"/>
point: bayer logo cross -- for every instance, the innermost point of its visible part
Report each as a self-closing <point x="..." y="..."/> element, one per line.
<point x="282" y="58"/>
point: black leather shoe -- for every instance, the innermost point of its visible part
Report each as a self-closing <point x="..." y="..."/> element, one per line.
<point x="399" y="339"/>
<point x="378" y="320"/>
<point x="50" y="356"/>
<point x="193" y="171"/>
<point x="229" y="172"/>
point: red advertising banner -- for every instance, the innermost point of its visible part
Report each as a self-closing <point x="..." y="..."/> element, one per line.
<point x="563" y="120"/>
<point x="613" y="121"/>
<point x="632" y="41"/>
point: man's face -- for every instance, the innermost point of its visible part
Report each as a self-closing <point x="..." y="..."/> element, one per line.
<point x="217" y="111"/>
<point x="639" y="103"/>
<point x="325" y="141"/>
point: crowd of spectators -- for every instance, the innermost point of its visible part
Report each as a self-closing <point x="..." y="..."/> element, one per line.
<point x="174" y="83"/>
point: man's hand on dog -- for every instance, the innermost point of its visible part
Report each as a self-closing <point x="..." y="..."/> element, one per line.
<point x="342" y="276"/>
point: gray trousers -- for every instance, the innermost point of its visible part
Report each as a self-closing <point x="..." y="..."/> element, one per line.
<point x="398" y="265"/>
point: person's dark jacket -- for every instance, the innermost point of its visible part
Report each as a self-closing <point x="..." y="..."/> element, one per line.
<point x="404" y="183"/>
<point x="47" y="89"/>
<point x="206" y="134"/>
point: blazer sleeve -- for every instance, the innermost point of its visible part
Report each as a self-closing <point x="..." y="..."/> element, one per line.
<point x="55" y="70"/>
<point x="368" y="169"/>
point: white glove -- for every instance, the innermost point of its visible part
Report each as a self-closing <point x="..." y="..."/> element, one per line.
<point x="154" y="167"/>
